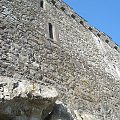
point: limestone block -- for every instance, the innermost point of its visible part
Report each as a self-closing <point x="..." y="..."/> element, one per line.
<point x="23" y="99"/>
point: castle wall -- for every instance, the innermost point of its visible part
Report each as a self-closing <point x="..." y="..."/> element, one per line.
<point x="82" y="66"/>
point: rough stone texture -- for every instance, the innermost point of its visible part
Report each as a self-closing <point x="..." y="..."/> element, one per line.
<point x="25" y="100"/>
<point x="60" y="112"/>
<point x="79" y="63"/>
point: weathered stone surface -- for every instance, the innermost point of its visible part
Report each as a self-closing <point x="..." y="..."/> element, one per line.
<point x="25" y="100"/>
<point x="84" y="116"/>
<point x="83" y="67"/>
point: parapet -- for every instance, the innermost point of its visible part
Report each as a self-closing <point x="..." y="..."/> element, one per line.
<point x="80" y="20"/>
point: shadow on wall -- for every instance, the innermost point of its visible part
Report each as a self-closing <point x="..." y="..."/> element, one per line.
<point x="4" y="116"/>
<point x="59" y="112"/>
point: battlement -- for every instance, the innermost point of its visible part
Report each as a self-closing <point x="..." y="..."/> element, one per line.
<point x="45" y="41"/>
<point x="60" y="4"/>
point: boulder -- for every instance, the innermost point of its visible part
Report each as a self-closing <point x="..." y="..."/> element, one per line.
<point x="25" y="100"/>
<point x="60" y="112"/>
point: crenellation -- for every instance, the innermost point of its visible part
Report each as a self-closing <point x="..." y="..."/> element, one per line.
<point x="67" y="9"/>
<point x="103" y="37"/>
<point x="77" y="59"/>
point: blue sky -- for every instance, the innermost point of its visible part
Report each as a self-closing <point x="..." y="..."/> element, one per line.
<point x="102" y="14"/>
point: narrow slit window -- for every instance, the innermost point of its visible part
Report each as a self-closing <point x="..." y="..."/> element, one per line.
<point x="81" y="22"/>
<point x="115" y="47"/>
<point x="50" y="31"/>
<point x="107" y="41"/>
<point x="41" y="4"/>
<point x="73" y="16"/>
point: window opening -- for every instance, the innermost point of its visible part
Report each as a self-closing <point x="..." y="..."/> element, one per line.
<point x="98" y="35"/>
<point x="107" y="41"/>
<point x="53" y="2"/>
<point x="90" y="28"/>
<point x="81" y="22"/>
<point x="41" y="4"/>
<point x="50" y="31"/>
<point x="115" y="47"/>
<point x="73" y="16"/>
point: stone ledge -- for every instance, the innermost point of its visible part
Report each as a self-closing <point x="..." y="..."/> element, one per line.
<point x="25" y="99"/>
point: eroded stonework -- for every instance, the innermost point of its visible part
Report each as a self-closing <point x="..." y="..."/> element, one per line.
<point x="81" y="64"/>
<point x="25" y="100"/>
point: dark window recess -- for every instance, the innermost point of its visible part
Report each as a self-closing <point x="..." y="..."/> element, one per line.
<point x="41" y="4"/>
<point x="73" y="16"/>
<point x="50" y="31"/>
<point x="81" y="22"/>
<point x="98" y="35"/>
<point x="115" y="47"/>
<point x="90" y="28"/>
<point x="107" y="41"/>
<point x="62" y="8"/>
<point x="53" y="2"/>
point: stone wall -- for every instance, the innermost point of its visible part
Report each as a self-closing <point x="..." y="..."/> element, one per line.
<point x="79" y="63"/>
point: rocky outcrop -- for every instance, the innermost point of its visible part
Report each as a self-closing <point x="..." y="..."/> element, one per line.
<point x="60" y="112"/>
<point x="25" y="100"/>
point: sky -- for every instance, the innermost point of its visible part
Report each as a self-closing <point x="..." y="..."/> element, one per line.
<point x="102" y="14"/>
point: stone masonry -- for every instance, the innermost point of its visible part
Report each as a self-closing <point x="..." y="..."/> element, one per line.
<point x="81" y="62"/>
